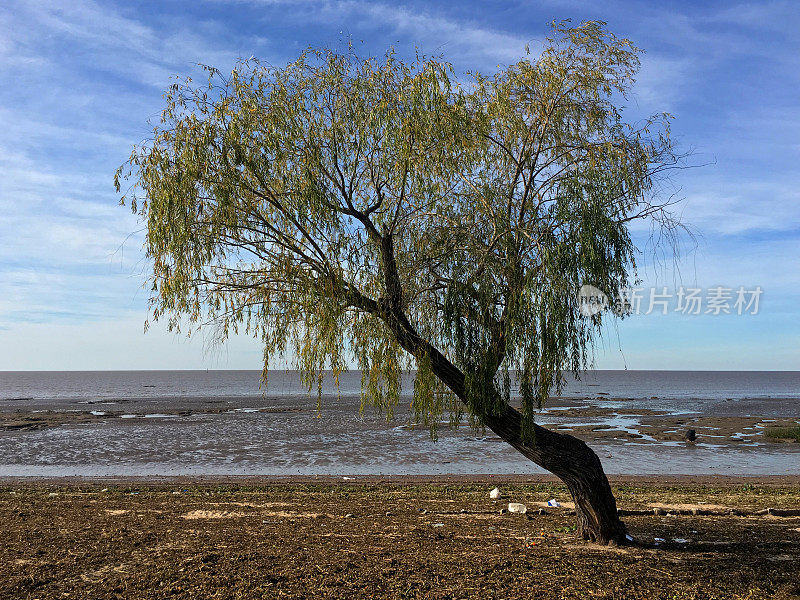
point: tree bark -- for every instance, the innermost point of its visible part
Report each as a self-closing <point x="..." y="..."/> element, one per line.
<point x="578" y="466"/>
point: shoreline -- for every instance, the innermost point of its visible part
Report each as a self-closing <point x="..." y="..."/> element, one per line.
<point x="272" y="480"/>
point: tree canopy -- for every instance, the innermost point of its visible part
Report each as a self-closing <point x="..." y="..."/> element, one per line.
<point x="397" y="215"/>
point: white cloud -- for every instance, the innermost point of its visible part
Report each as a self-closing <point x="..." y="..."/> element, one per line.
<point x="96" y="35"/>
<point x="744" y="207"/>
<point x="461" y="41"/>
<point x="661" y="82"/>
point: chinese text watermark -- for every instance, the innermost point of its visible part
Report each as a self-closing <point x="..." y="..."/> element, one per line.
<point x="716" y="300"/>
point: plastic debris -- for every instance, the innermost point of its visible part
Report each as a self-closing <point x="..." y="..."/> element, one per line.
<point x="516" y="507"/>
<point x="494" y="494"/>
<point x="553" y="502"/>
<point x="438" y="525"/>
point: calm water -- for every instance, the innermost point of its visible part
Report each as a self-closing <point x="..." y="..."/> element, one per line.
<point x="225" y="422"/>
<point x="49" y="385"/>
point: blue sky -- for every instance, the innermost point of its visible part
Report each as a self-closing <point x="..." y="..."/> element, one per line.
<point x="81" y="79"/>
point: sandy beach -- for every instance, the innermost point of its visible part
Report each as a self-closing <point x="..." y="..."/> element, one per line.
<point x="698" y="537"/>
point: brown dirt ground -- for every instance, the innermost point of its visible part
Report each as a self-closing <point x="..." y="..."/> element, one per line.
<point x="367" y="539"/>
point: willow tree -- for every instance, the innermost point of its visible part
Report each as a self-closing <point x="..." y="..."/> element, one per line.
<point x="380" y="213"/>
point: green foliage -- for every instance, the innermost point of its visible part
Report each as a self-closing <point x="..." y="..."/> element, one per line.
<point x="783" y="433"/>
<point x="379" y="210"/>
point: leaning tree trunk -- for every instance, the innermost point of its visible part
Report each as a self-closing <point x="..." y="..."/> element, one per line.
<point x="567" y="457"/>
<point x="578" y="466"/>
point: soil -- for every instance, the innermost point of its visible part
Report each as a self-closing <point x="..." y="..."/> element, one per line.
<point x="378" y="539"/>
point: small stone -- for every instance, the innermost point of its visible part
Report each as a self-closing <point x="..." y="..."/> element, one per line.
<point x="691" y="435"/>
<point x="494" y="494"/>
<point x="516" y="507"/>
<point x="349" y="516"/>
<point x="389" y="513"/>
<point x="503" y="511"/>
<point x="658" y="511"/>
<point x="463" y="511"/>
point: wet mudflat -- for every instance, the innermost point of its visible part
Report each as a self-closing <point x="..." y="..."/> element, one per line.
<point x="390" y="540"/>
<point x="258" y="436"/>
